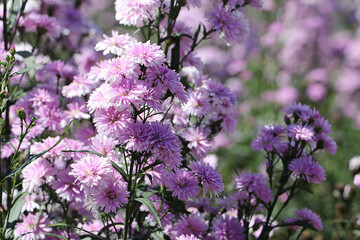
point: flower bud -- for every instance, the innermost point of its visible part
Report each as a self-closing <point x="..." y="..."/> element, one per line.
<point x="12" y="50"/>
<point x="21" y="113"/>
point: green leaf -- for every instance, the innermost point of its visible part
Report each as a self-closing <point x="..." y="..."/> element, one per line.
<point x="151" y="208"/>
<point x="57" y="225"/>
<point x="300" y="223"/>
<point x="158" y="235"/>
<point x="24" y="70"/>
<point x="85" y="151"/>
<point x="55" y="235"/>
<point x="30" y="62"/>
<point x="120" y="170"/>
<point x="14" y="10"/>
<point x="14" y="213"/>
<point x="24" y="54"/>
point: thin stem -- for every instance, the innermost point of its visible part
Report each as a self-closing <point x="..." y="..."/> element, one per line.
<point x="301" y="232"/>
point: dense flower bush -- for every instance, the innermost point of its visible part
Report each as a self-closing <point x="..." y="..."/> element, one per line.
<point x="109" y="136"/>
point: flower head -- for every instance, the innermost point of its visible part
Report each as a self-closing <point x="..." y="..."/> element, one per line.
<point x="182" y="183"/>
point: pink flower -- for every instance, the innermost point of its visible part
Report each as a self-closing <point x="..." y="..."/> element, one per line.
<point x="33" y="227"/>
<point x="198" y="141"/>
<point x="198" y="104"/>
<point x="300" y="132"/>
<point x="187" y="237"/>
<point x="111" y="121"/>
<point x="134" y="12"/>
<point x="116" y="44"/>
<point x="90" y="170"/>
<point x="77" y="110"/>
<point x="100" y="98"/>
<point x="146" y="54"/>
<point x="36" y="174"/>
<point x="80" y="86"/>
<point x="117" y="70"/>
<point x="104" y="145"/>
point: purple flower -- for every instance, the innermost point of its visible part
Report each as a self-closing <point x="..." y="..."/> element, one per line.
<point x="35" y="22"/>
<point x="255" y="184"/>
<point x="268" y="142"/>
<point x="220" y="96"/>
<point x="112" y="195"/>
<point x="164" y="144"/>
<point x="233" y="24"/>
<point x="198" y="104"/>
<point x="226" y="228"/>
<point x="135" y="136"/>
<point x="297" y="110"/>
<point x="300" y="132"/>
<point x="192" y="224"/>
<point x="67" y="188"/>
<point x="182" y="183"/>
<point x="324" y="141"/>
<point x="308" y="170"/>
<point x="165" y="79"/>
<point x="310" y="217"/>
<point x="209" y="178"/>
<point x="90" y="170"/>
